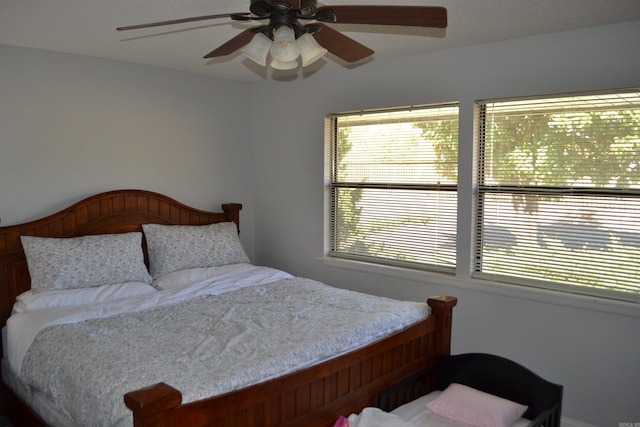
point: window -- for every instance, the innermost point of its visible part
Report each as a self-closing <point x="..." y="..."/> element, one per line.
<point x="558" y="201"/>
<point x="554" y="197"/>
<point x="393" y="186"/>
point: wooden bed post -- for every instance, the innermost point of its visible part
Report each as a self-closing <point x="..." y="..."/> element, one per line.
<point x="233" y="212"/>
<point x="442" y="309"/>
<point x="154" y="406"/>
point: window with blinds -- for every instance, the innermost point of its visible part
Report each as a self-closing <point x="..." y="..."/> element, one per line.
<point x="558" y="201"/>
<point x="394" y="186"/>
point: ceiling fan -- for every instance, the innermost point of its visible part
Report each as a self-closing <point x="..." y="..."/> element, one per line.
<point x="287" y="36"/>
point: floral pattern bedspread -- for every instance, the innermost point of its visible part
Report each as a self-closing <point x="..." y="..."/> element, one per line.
<point x="206" y="346"/>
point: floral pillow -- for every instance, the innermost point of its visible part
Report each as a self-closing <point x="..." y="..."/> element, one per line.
<point x="179" y="247"/>
<point x="84" y="262"/>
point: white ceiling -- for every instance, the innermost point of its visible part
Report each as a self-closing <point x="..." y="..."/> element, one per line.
<point x="88" y="27"/>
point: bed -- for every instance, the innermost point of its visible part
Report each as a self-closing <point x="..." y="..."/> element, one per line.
<point x="472" y="388"/>
<point x="312" y="395"/>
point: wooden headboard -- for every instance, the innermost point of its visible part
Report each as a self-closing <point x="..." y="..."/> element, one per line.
<point x="117" y="211"/>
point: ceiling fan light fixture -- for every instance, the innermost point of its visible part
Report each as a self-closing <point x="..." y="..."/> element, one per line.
<point x="310" y="50"/>
<point x="258" y="49"/>
<point x="284" y="47"/>
<point x="284" y="65"/>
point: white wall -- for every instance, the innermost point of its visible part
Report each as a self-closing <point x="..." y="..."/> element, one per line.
<point x="73" y="126"/>
<point x="580" y="343"/>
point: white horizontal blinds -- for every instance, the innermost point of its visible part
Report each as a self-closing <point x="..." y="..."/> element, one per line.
<point x="559" y="193"/>
<point x="394" y="191"/>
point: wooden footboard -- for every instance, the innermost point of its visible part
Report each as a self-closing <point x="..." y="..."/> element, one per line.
<point x="312" y="397"/>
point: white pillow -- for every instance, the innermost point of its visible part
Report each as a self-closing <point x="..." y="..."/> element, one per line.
<point x="66" y="297"/>
<point x="84" y="262"/>
<point x="178" y="247"/>
<point x="475" y="408"/>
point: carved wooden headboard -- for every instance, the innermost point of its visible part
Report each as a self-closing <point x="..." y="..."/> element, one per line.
<point x="117" y="211"/>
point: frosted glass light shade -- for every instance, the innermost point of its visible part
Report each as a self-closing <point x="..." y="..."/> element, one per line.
<point x="310" y="50"/>
<point x="284" y="47"/>
<point x="284" y="65"/>
<point x="258" y="49"/>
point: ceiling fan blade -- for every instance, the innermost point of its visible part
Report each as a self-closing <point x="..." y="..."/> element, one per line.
<point x="178" y="21"/>
<point x="407" y="16"/>
<point x="340" y="45"/>
<point x="234" y="44"/>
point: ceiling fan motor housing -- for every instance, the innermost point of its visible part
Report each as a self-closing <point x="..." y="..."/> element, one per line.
<point x="265" y="7"/>
<point x="260" y="7"/>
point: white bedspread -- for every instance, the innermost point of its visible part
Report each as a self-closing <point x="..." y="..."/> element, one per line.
<point x="230" y="335"/>
<point x="23" y="327"/>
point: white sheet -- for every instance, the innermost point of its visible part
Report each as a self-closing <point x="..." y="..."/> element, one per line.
<point x="30" y="300"/>
<point x="23" y="327"/>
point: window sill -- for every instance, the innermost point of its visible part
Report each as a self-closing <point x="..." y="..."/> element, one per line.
<point x="487" y="286"/>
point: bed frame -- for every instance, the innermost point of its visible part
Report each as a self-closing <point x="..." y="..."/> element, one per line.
<point x="312" y="397"/>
